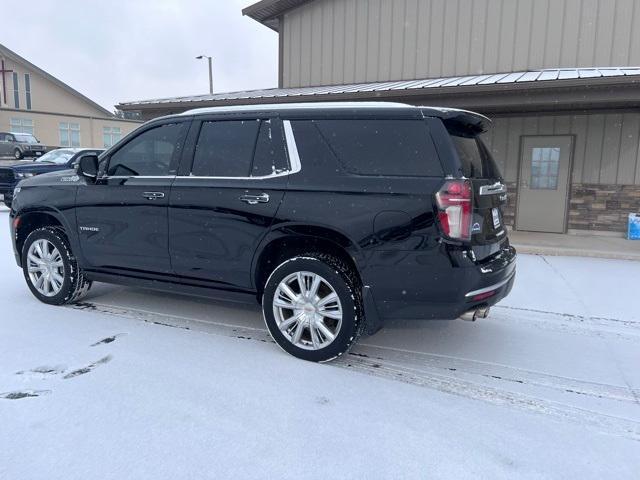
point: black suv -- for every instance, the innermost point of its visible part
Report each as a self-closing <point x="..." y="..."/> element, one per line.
<point x="334" y="216"/>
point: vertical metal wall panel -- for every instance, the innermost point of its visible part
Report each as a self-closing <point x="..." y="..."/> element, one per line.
<point x="629" y="149"/>
<point x="410" y="44"/>
<point x="610" y="149"/>
<point x="579" y="125"/>
<point x="362" y="13"/>
<point x="450" y="40"/>
<point x="622" y="34"/>
<point x="398" y="33"/>
<point x="539" y="35"/>
<point x="382" y="58"/>
<point x="553" y="40"/>
<point x="516" y="128"/>
<point x="328" y="36"/>
<point x="373" y="38"/>
<point x="479" y="11"/>
<point x="634" y="49"/>
<point x="593" y="153"/>
<point x="570" y="33"/>
<point x="507" y="32"/>
<point x="491" y="42"/>
<point x="350" y="28"/>
<point x="463" y="38"/>
<point x="433" y="44"/>
<point x="318" y="42"/>
<point x="381" y="40"/>
<point x="587" y="35"/>
<point x="338" y="55"/>
<point x="305" y="51"/>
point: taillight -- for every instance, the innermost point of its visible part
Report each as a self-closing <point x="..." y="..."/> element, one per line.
<point x="455" y="206"/>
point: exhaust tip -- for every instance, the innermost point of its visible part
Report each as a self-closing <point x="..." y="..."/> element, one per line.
<point x="473" y="315"/>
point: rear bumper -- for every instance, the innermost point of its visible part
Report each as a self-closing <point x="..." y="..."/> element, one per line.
<point x="30" y="152"/>
<point x="441" y="285"/>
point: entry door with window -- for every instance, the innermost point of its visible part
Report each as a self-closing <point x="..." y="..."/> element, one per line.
<point x="122" y="218"/>
<point x="543" y="187"/>
<point x="223" y="201"/>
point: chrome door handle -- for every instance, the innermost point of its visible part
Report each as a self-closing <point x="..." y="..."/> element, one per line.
<point x="254" y="199"/>
<point x="153" y="195"/>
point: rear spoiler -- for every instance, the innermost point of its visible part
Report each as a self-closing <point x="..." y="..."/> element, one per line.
<point x="459" y="120"/>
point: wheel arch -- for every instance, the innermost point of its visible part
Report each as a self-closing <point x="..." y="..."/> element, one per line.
<point x="33" y="219"/>
<point x="286" y="242"/>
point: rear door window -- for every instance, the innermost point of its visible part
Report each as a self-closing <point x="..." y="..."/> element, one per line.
<point x="382" y="147"/>
<point x="475" y="159"/>
<point x="225" y="148"/>
<point x="270" y="157"/>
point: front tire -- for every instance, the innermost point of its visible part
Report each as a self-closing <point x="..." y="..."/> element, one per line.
<point x="312" y="307"/>
<point x="50" y="268"/>
<point x="17" y="154"/>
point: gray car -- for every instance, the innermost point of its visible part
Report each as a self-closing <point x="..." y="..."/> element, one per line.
<point x="19" y="145"/>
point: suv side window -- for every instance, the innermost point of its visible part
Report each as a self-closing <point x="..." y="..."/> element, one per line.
<point x="382" y="147"/>
<point x="148" y="154"/>
<point x="270" y="157"/>
<point x="225" y="148"/>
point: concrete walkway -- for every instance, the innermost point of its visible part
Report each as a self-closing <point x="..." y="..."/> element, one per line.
<point x="575" y="245"/>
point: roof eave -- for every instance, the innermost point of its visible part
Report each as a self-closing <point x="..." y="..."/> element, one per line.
<point x="438" y="93"/>
<point x="268" y="12"/>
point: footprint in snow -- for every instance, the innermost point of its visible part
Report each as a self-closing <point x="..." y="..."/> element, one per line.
<point x="44" y="370"/>
<point x="88" y="368"/>
<point x="23" y="394"/>
<point x="108" y="339"/>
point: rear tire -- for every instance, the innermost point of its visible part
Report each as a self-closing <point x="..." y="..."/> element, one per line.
<point x="50" y="268"/>
<point x="312" y="307"/>
<point x="17" y="154"/>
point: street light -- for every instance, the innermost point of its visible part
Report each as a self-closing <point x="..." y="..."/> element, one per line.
<point x="200" y="57"/>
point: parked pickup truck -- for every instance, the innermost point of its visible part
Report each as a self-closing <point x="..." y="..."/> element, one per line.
<point x="59" y="159"/>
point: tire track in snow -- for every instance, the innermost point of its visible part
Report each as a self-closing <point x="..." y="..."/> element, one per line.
<point x="601" y="422"/>
<point x="451" y="366"/>
<point x="567" y="323"/>
<point x="428" y="370"/>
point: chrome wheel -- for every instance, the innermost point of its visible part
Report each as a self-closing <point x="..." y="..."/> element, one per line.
<point x="45" y="267"/>
<point x="307" y="310"/>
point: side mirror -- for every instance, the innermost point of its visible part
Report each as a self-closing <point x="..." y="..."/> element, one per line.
<point x="88" y="166"/>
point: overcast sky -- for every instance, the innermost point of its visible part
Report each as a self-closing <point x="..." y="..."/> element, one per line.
<point x="122" y="50"/>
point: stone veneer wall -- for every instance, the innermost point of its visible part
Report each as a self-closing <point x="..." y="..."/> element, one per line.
<point x="591" y="206"/>
<point x="602" y="207"/>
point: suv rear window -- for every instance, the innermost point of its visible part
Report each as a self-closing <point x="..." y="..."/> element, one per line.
<point x="476" y="160"/>
<point x="382" y="147"/>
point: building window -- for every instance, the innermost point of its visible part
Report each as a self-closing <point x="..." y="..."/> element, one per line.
<point x="27" y="90"/>
<point x="16" y="90"/>
<point x="544" y="168"/>
<point x="21" y="125"/>
<point x="69" y="134"/>
<point x="111" y="135"/>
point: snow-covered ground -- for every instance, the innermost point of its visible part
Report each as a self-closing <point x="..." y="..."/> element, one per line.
<point x="137" y="384"/>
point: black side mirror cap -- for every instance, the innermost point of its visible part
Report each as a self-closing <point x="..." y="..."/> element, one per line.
<point x="88" y="166"/>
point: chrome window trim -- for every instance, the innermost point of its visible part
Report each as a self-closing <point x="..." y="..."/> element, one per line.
<point x="292" y="150"/>
<point x="292" y="147"/>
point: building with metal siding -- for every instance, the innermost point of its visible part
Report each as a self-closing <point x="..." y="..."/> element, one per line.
<point x="552" y="74"/>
